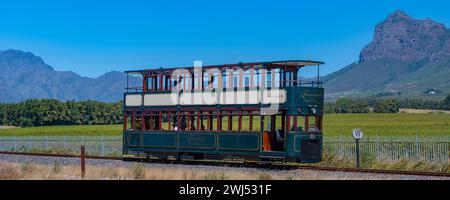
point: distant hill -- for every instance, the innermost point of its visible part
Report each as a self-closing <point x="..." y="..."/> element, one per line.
<point x="407" y="58"/>
<point x="26" y="76"/>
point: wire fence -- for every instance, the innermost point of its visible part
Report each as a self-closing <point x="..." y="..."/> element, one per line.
<point x="430" y="149"/>
<point x="95" y="145"/>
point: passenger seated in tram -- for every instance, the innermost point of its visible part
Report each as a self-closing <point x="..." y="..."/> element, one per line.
<point x="183" y="123"/>
<point x="299" y="128"/>
<point x="193" y="127"/>
<point x="280" y="136"/>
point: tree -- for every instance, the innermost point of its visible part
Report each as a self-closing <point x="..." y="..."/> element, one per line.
<point x="346" y="105"/>
<point x="386" y="106"/>
<point x="53" y="112"/>
<point x="446" y="103"/>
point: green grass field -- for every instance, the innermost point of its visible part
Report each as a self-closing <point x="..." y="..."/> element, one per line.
<point x="89" y="130"/>
<point x="334" y="124"/>
<point x="388" y="124"/>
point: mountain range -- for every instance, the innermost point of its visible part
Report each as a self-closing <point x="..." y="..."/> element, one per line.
<point x="26" y="76"/>
<point x="407" y="58"/>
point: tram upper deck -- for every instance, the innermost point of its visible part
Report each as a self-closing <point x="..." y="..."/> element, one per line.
<point x="258" y="84"/>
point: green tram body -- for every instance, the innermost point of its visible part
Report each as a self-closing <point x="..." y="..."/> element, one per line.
<point x="299" y="145"/>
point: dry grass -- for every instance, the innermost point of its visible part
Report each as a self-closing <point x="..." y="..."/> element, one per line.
<point x="405" y="110"/>
<point x="56" y="171"/>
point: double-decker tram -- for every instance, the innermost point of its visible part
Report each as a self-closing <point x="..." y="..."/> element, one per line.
<point x="259" y="112"/>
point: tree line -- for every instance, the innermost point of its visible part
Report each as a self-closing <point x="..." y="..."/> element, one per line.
<point x="391" y="105"/>
<point x="43" y="112"/>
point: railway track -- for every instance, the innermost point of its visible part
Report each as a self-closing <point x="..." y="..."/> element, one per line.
<point x="238" y="164"/>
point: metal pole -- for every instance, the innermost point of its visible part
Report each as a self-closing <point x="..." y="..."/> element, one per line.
<point x="29" y="143"/>
<point x="82" y="161"/>
<point x="14" y="143"/>
<point x="357" y="154"/>
<point x="46" y="142"/>
<point x="103" y="146"/>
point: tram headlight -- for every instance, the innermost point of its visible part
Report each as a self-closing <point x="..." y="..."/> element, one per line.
<point x="313" y="110"/>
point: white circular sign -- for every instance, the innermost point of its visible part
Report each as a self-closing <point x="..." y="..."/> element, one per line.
<point x="357" y="133"/>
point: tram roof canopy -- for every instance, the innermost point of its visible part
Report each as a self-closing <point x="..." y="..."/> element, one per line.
<point x="291" y="63"/>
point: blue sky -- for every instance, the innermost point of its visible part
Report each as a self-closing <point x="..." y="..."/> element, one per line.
<point x="94" y="37"/>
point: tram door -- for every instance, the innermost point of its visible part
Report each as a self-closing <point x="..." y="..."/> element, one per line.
<point x="274" y="132"/>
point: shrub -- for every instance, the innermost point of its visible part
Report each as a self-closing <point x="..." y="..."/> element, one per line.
<point x="215" y="176"/>
<point x="138" y="171"/>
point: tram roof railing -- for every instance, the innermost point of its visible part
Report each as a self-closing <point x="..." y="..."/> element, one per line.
<point x="291" y="63"/>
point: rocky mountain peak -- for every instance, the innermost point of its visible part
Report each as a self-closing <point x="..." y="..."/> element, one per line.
<point x="24" y="60"/>
<point x="398" y="14"/>
<point x="401" y="37"/>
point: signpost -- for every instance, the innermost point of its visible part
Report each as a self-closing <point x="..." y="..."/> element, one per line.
<point x="82" y="160"/>
<point x="357" y="134"/>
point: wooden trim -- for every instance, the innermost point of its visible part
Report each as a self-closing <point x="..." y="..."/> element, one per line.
<point x="142" y="121"/>
<point x="124" y="120"/>
<point x="133" y="121"/>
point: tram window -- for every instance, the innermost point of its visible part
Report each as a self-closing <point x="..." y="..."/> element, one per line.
<point x="245" y="124"/>
<point x="288" y="79"/>
<point x="165" y="83"/>
<point x="235" y="82"/>
<point x="149" y="123"/>
<point x="235" y="122"/>
<point x="128" y="122"/>
<point x="301" y="123"/>
<point x="257" y="77"/>
<point x="276" y="77"/>
<point x="269" y="79"/>
<point x="203" y="122"/>
<point x="213" y="125"/>
<point x="224" y="81"/>
<point x="197" y="81"/>
<point x="206" y="81"/>
<point x="152" y="122"/>
<point x="278" y="124"/>
<point x="256" y="127"/>
<point x="272" y="122"/>
<point x="175" y="83"/>
<point x="296" y="123"/>
<point x="192" y="122"/>
<point x="247" y="79"/>
<point x="175" y="121"/>
<point x="138" y="123"/>
<point x="153" y="83"/>
<point x="165" y="122"/>
<point x="224" y="122"/>
<point x="150" y="83"/>
<point x="313" y="123"/>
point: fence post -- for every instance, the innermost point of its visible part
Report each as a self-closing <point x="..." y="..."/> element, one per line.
<point x="65" y="143"/>
<point x="357" y="154"/>
<point x="14" y="143"/>
<point x="82" y="161"/>
<point x="103" y="146"/>
<point x="417" y="148"/>
<point x="29" y="143"/>
<point x="46" y="142"/>
<point x="378" y="156"/>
